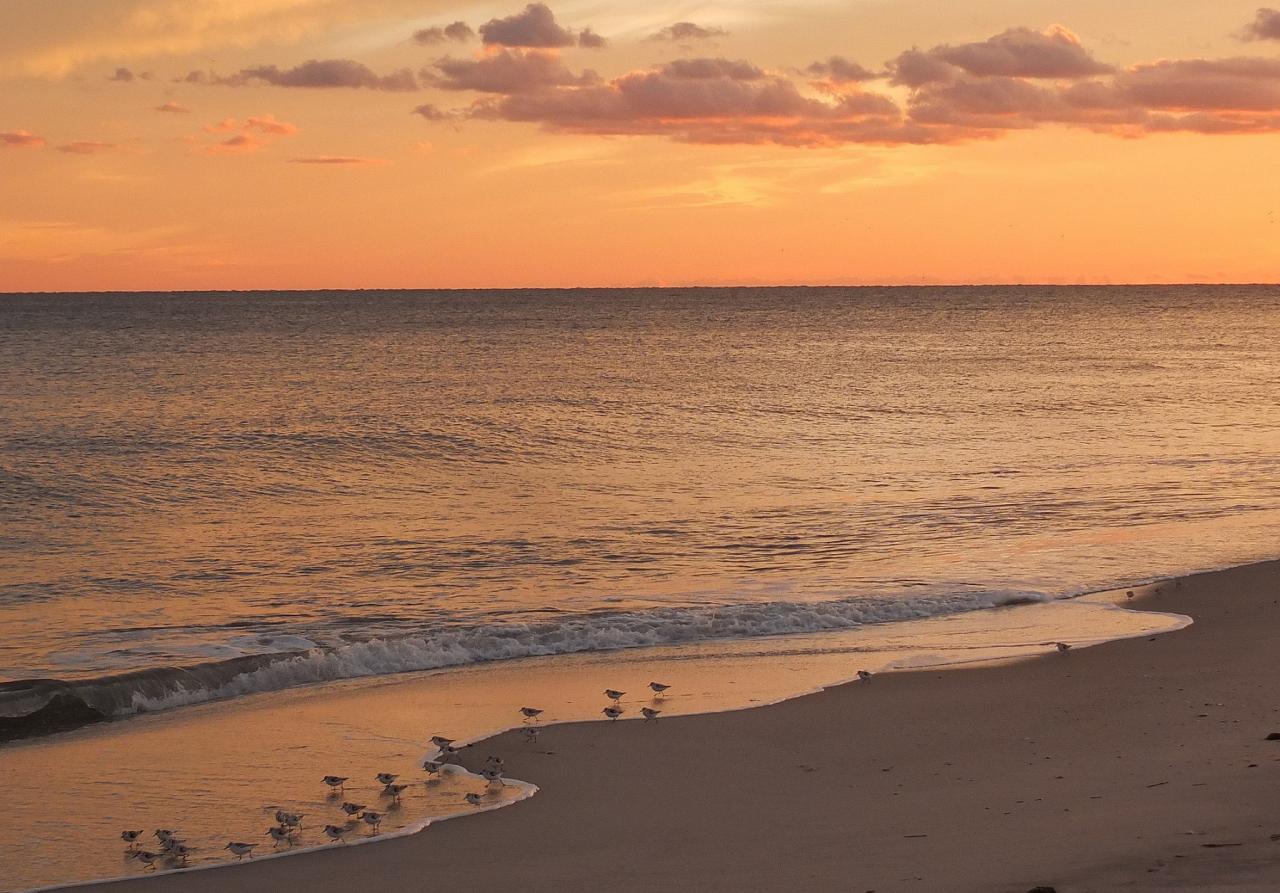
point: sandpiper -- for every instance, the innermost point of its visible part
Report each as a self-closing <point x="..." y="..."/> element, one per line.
<point x="612" y="712"/>
<point x="394" y="791"/>
<point x="280" y="835"/>
<point x="146" y="857"/>
<point x="864" y="675"/>
<point x="431" y="767"/>
<point x="614" y="696"/>
<point x="178" y="851"/>
<point x="441" y="741"/>
<point x="334" y="833"/>
<point x="1062" y="647"/>
<point x="289" y="819"/>
<point x="531" y="713"/>
<point x="473" y="799"/>
<point x="240" y="849"/>
<point x="658" y="687"/>
<point x="163" y="834"/>
<point x="372" y="819"/>
<point x="385" y="778"/>
<point x="352" y="808"/>
<point x="649" y="713"/>
<point x="335" y="781"/>
<point x="170" y="844"/>
<point x="130" y="837"/>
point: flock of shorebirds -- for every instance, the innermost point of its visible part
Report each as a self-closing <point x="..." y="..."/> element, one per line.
<point x="175" y="851"/>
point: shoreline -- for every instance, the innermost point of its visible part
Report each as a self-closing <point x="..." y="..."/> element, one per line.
<point x="526" y="834"/>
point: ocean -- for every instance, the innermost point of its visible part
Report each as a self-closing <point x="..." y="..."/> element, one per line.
<point x="211" y="498"/>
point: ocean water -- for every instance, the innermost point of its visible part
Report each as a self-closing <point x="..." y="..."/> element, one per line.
<point x="205" y="496"/>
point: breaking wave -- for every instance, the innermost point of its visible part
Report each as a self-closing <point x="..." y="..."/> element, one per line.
<point x="163" y="688"/>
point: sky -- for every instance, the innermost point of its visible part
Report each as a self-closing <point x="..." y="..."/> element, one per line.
<point x="279" y="144"/>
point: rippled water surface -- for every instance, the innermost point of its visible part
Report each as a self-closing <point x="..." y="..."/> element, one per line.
<point x="364" y="483"/>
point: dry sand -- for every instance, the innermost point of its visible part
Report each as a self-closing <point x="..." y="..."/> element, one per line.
<point x="1136" y="765"/>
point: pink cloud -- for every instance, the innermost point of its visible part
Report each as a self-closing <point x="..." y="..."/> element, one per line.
<point x="505" y="71"/>
<point x="316" y="74"/>
<point x="685" y="32"/>
<point x="240" y="144"/>
<point x="339" y="160"/>
<point x="1265" y="25"/>
<point x="458" y="31"/>
<point x="87" y="147"/>
<point x="21" y="139"/>
<point x="534" y="27"/>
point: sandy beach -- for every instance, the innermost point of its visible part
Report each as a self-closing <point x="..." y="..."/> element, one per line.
<point x="1140" y="764"/>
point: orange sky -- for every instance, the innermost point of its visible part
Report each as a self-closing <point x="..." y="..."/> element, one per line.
<point x="274" y="143"/>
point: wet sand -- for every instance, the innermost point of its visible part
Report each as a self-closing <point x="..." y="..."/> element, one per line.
<point x="1135" y="765"/>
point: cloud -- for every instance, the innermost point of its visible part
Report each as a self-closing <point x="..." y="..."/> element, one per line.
<point x="1018" y="52"/>
<point x="240" y="144"/>
<point x="318" y="74"/>
<point x="123" y="75"/>
<point x="458" y="31"/>
<point x="1225" y="85"/>
<point x="505" y="71"/>
<point x="837" y="70"/>
<point x="20" y="139"/>
<point x="175" y="108"/>
<point x="432" y="112"/>
<point x="590" y="40"/>
<point x="1265" y="25"/>
<point x="683" y="32"/>
<point x="338" y="160"/>
<point x="535" y="27"/>
<point x="698" y="100"/>
<point x="247" y="135"/>
<point x="87" y="147"/>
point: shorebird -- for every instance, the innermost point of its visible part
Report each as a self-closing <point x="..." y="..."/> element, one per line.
<point x="240" y="849"/>
<point x="614" y="696"/>
<point x="659" y="687"/>
<point x="146" y="857"/>
<point x="440" y="741"/>
<point x="394" y="791"/>
<point x="372" y="819"/>
<point x="864" y="675"/>
<point x="431" y="767"/>
<point x="649" y="713"/>
<point x="163" y="834"/>
<point x="473" y="799"/>
<point x="280" y="835"/>
<point x="171" y="844"/>
<point x="450" y="751"/>
<point x="531" y="713"/>
<point x="289" y="819"/>
<point x="385" y="778"/>
<point x="179" y="851"/>
<point x="352" y="808"/>
<point x="130" y="837"/>
<point x="1062" y="647"/>
<point x="334" y="833"/>
<point x="531" y="735"/>
<point x="612" y="712"/>
<point x="492" y="775"/>
<point x="335" y="781"/>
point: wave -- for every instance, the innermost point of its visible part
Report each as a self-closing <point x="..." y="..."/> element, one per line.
<point x="162" y="688"/>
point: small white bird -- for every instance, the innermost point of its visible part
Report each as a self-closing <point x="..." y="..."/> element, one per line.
<point x="334" y="833"/>
<point x="531" y="713"/>
<point x="130" y="837"/>
<point x="473" y="799"/>
<point x="431" y="767"/>
<point x="614" y="696"/>
<point x="864" y="675"/>
<point x="658" y="687"/>
<point x="372" y="819"/>
<point x="1062" y="647"/>
<point x="531" y="734"/>
<point x="385" y="778"/>
<point x="289" y="819"/>
<point x="352" y="808"/>
<point x="394" y="791"/>
<point x="441" y="741"/>
<point x="649" y="713"/>
<point x="492" y="775"/>
<point x="146" y="857"/>
<point x="280" y="835"/>
<point x="240" y="849"/>
<point x="335" y="781"/>
<point x="612" y="712"/>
